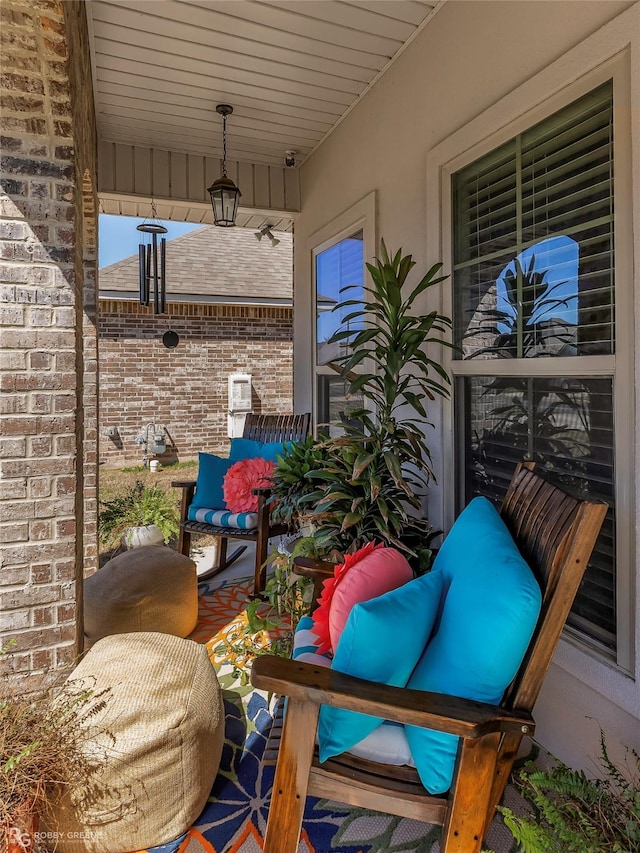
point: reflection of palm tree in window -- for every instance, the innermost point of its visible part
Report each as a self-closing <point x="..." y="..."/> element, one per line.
<point x="530" y="311"/>
<point x="532" y="308"/>
<point x="550" y="416"/>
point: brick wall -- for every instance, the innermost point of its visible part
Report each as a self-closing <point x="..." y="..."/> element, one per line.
<point x="185" y="389"/>
<point x="47" y="329"/>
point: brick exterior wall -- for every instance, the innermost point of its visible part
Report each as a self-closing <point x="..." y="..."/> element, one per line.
<point x="48" y="332"/>
<point x="185" y="389"/>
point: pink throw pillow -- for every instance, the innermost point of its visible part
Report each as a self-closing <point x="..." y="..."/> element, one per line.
<point x="370" y="572"/>
<point x="241" y="478"/>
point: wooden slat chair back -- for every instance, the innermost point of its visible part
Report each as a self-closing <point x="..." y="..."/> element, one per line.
<point x="265" y="428"/>
<point x="556" y="534"/>
<point x="269" y="428"/>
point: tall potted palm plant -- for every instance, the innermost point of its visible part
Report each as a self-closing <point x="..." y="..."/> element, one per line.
<point x="400" y="376"/>
<point x="369" y="481"/>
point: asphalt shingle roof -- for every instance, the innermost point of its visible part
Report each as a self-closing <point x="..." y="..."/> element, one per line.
<point x="212" y="262"/>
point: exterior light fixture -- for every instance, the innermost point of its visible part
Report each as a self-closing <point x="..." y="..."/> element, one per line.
<point x="265" y="231"/>
<point x="224" y="193"/>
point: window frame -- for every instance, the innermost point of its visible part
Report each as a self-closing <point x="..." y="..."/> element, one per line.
<point x="470" y="144"/>
<point x="359" y="217"/>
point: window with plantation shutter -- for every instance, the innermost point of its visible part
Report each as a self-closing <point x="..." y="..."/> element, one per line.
<point x="533" y="286"/>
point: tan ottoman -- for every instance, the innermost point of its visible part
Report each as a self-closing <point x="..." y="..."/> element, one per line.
<point x="152" y="588"/>
<point x="166" y="715"/>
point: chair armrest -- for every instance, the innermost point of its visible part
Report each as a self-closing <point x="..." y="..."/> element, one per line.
<point x="318" y="571"/>
<point x="439" y="711"/>
<point x="311" y="567"/>
<point x="188" y="489"/>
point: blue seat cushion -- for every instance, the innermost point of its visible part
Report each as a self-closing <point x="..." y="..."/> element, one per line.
<point x="211" y="471"/>
<point x="382" y="641"/>
<point x="490" y="609"/>
<point x="223" y="517"/>
<point x="248" y="448"/>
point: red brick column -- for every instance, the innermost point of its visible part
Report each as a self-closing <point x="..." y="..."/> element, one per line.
<point x="48" y="350"/>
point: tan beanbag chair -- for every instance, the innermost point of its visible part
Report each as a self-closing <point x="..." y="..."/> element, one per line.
<point x="165" y="719"/>
<point x="152" y="588"/>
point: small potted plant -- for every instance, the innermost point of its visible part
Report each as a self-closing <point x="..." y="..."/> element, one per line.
<point x="144" y="515"/>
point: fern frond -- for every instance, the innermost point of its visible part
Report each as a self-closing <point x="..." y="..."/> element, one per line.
<point x="575" y="814"/>
<point x="531" y="837"/>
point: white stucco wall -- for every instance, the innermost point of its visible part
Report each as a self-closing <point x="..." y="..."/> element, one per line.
<point x="474" y="60"/>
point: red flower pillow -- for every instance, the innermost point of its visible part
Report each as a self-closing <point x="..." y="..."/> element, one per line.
<point x="370" y="572"/>
<point x="241" y="478"/>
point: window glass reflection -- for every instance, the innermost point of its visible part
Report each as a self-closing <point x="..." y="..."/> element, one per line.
<point x="532" y="307"/>
<point x="339" y="275"/>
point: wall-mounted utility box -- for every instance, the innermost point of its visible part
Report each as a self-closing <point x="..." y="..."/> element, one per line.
<point x="239" y="402"/>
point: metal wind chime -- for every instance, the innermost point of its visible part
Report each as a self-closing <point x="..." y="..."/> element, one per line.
<point x="152" y="265"/>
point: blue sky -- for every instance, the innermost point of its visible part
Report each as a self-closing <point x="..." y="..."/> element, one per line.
<point x="119" y="239"/>
<point x="558" y="257"/>
<point x="339" y="266"/>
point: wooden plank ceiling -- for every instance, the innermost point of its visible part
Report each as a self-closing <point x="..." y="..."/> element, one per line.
<point x="291" y="69"/>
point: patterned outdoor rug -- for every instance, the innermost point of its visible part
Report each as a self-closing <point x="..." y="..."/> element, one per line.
<point x="235" y="818"/>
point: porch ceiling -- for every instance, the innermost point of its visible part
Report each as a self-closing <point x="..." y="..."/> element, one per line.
<point x="291" y="69"/>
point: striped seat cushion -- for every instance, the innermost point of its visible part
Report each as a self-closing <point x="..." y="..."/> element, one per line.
<point x="306" y="643"/>
<point x="223" y="518"/>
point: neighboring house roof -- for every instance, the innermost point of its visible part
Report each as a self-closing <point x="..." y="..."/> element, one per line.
<point x="213" y="264"/>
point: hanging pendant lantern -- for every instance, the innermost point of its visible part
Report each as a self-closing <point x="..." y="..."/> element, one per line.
<point x="224" y="193"/>
<point x="152" y="265"/>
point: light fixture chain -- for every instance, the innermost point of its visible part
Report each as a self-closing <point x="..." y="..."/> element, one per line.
<point x="224" y="146"/>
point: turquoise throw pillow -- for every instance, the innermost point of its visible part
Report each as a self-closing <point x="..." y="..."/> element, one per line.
<point x="382" y="641"/>
<point x="211" y="471"/>
<point x="248" y="448"/>
<point x="490" y="609"/>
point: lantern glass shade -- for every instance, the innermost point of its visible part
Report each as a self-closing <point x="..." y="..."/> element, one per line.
<point x="224" y="200"/>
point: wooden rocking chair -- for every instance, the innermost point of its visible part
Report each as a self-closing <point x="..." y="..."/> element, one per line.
<point x="264" y="428"/>
<point x="555" y="534"/>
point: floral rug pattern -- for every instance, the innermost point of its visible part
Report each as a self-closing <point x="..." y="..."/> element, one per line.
<point x="235" y="817"/>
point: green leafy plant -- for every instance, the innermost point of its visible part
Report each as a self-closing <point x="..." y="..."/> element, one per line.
<point x="575" y="814"/>
<point x="399" y="377"/>
<point x="290" y="481"/>
<point x="366" y="482"/>
<point x="291" y="595"/>
<point x="139" y="506"/>
<point x="247" y="638"/>
<point x="358" y="499"/>
<point x="364" y="485"/>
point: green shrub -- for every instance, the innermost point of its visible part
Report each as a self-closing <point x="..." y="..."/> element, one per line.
<point x="575" y="814"/>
